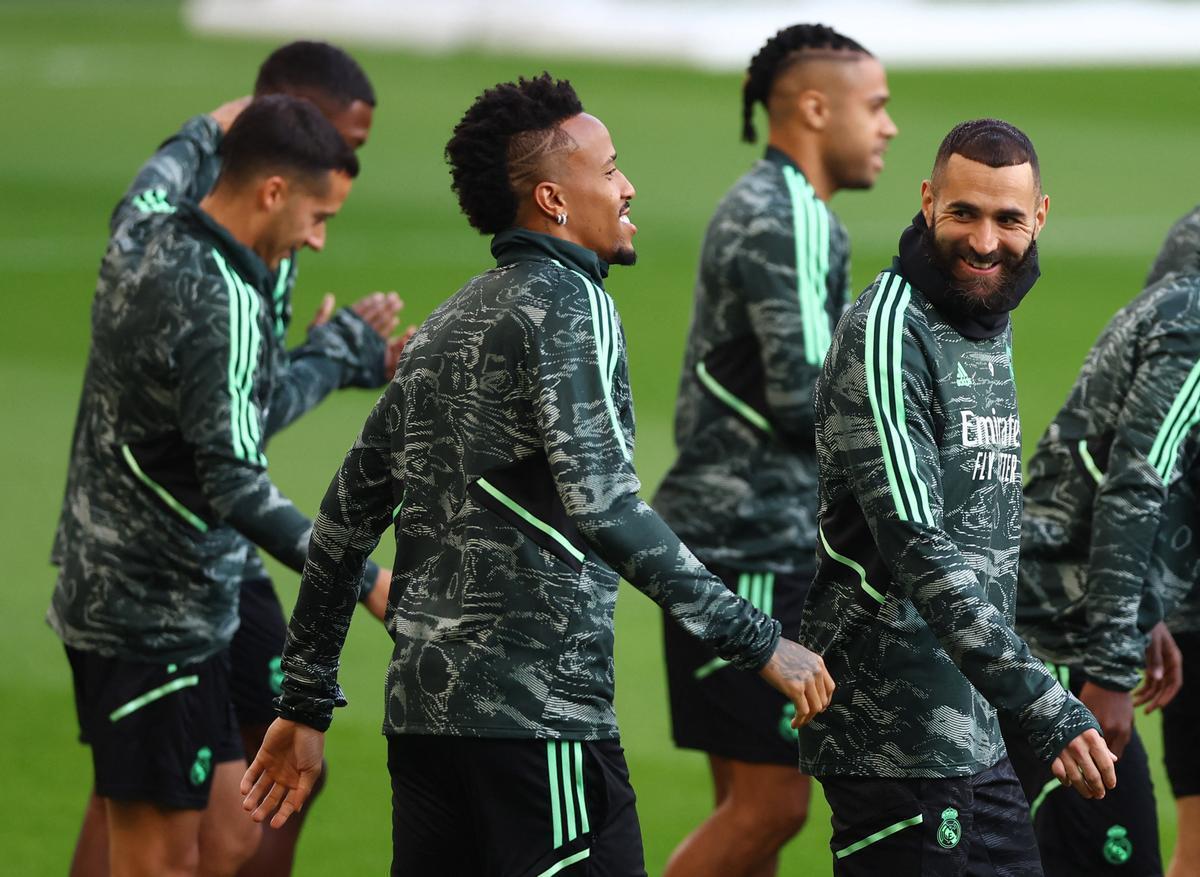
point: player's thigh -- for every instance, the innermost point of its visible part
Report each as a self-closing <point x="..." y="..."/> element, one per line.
<point x="769" y="799"/>
<point x="146" y="840"/>
<point x="432" y="829"/>
<point x="559" y="806"/>
<point x="157" y="730"/>
<point x="726" y="712"/>
<point x="1117" y="834"/>
<point x="999" y="838"/>
<point x="1180" y="718"/>
<point x="228" y="836"/>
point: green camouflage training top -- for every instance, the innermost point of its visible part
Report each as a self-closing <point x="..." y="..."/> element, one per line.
<point x="1107" y="542"/>
<point x="1181" y="253"/>
<point x="341" y="353"/>
<point x="503" y="452"/>
<point x="919" y="446"/>
<point x="772" y="283"/>
<point x="167" y="478"/>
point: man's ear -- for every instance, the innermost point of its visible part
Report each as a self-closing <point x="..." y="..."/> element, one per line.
<point x="813" y="108"/>
<point x="272" y="192"/>
<point x="927" y="201"/>
<point x="1039" y="216"/>
<point x="549" y="199"/>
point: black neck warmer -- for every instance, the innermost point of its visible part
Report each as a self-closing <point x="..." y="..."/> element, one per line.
<point x="918" y="266"/>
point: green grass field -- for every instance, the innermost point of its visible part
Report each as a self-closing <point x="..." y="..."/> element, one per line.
<point x="89" y="90"/>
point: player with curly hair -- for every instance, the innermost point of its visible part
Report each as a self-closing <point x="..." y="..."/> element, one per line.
<point x="502" y="456"/>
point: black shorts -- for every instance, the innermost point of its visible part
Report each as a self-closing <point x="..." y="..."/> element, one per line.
<point x="1117" y="834"/>
<point x="157" y="731"/>
<point x="255" y="652"/>
<point x="976" y="825"/>
<point x="1180" y="719"/>
<point x="512" y="808"/>
<point x="724" y="711"/>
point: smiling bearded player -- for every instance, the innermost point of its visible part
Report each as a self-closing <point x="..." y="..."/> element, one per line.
<point x="918" y="443"/>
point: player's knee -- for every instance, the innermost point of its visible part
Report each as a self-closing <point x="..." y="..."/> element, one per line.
<point x="771" y="819"/>
<point x="224" y="852"/>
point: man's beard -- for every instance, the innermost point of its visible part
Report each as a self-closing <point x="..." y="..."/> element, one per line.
<point x="624" y="256"/>
<point x="979" y="295"/>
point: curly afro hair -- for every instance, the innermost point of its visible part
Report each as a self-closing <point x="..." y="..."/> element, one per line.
<point x="507" y="131"/>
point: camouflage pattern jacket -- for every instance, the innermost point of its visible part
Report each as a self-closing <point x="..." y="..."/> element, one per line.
<point x="1108" y="542"/>
<point x="1181" y="253"/>
<point x="919" y="447"/>
<point x="772" y="284"/>
<point x="341" y="353"/>
<point x="167" y="479"/>
<point x="502" y="455"/>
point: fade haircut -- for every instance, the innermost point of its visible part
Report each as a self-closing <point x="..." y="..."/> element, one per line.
<point x="781" y="53"/>
<point x="502" y="144"/>
<point x="307" y="68"/>
<point x="993" y="142"/>
<point x="289" y="136"/>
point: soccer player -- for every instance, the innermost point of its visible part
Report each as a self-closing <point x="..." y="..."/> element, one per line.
<point x="168" y="477"/>
<point x="1102" y="564"/>
<point x="774" y="272"/>
<point x="919" y="447"/>
<point x="346" y="348"/>
<point x="502" y="452"/>
<point x="1180" y="254"/>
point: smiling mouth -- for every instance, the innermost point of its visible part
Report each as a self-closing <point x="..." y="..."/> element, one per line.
<point x="979" y="266"/>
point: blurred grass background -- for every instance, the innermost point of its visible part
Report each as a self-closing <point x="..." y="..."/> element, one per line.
<point x="90" y="89"/>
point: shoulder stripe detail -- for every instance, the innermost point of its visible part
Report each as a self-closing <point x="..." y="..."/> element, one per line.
<point x="811" y="229"/>
<point x="278" y="295"/>
<point x="604" y="328"/>
<point x="1182" y="416"/>
<point x="883" y="360"/>
<point x="245" y="340"/>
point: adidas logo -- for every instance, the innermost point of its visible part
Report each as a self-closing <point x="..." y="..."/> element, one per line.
<point x="963" y="379"/>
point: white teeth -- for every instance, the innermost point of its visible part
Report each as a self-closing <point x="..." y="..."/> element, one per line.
<point x="625" y="219"/>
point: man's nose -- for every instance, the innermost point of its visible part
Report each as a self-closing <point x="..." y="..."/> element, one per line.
<point x="316" y="239"/>
<point x="983" y="238"/>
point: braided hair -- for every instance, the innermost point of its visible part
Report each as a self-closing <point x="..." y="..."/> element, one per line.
<point x="779" y="54"/>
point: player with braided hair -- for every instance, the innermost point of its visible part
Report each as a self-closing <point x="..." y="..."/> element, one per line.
<point x="772" y="283"/>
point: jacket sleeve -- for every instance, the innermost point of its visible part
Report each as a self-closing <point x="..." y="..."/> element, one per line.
<point x="356" y="510"/>
<point x="185" y="166"/>
<point x="890" y="453"/>
<point x="578" y="354"/>
<point x="1149" y="446"/>
<point x="344" y="352"/>
<point x="785" y="294"/>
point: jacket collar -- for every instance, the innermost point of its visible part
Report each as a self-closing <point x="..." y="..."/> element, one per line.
<point x="522" y="245"/>
<point x="245" y="261"/>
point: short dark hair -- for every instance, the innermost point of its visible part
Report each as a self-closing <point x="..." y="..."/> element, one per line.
<point x="782" y="52"/>
<point x="993" y="142"/>
<point x="287" y="135"/>
<point x="308" y="67"/>
<point x="513" y="122"/>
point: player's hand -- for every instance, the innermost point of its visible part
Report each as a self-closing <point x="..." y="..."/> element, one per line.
<point x="1113" y="710"/>
<point x="283" y="773"/>
<point x="324" y="310"/>
<point x="801" y="676"/>
<point x="226" y="113"/>
<point x="377" y="600"/>
<point x="380" y="311"/>
<point x="1086" y="765"/>
<point x="1164" y="671"/>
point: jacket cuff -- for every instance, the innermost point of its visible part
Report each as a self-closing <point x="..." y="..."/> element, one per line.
<point x="357" y="348"/>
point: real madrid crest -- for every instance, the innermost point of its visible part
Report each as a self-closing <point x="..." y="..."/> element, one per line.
<point x="1117" y="849"/>
<point x="949" y="832"/>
